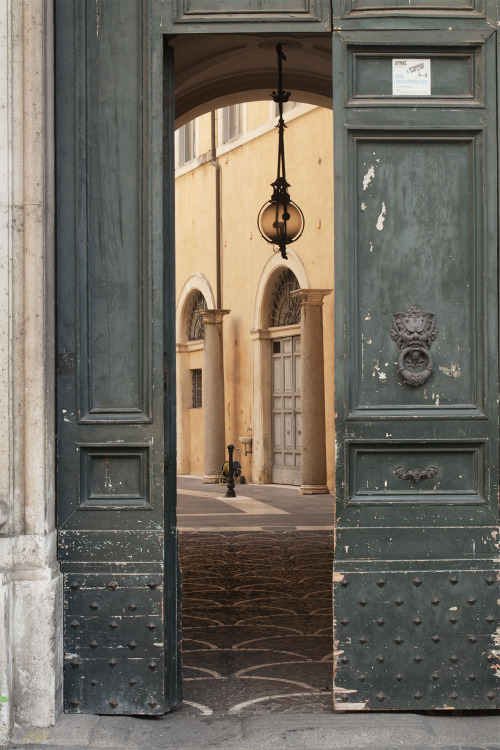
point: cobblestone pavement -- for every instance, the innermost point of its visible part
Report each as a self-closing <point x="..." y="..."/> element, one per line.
<point x="257" y="622"/>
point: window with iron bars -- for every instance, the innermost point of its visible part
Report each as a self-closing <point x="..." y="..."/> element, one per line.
<point x="197" y="397"/>
<point x="285" y="309"/>
<point x="195" y="327"/>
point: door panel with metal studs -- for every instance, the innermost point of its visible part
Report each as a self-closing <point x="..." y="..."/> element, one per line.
<point x="116" y="381"/>
<point x="416" y="558"/>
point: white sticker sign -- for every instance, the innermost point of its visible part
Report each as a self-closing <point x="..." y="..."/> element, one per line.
<point x="411" y="77"/>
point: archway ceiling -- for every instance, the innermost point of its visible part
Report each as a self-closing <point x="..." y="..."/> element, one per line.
<point x="214" y="70"/>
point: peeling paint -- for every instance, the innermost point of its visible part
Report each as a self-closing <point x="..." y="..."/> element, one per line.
<point x="453" y="371"/>
<point x="381" y="218"/>
<point x="368" y="177"/>
<point x="371" y="247"/>
<point x="363" y="206"/>
<point x="351" y="707"/>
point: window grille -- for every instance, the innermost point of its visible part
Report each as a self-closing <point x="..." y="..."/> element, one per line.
<point x="196" y="329"/>
<point x="196" y="380"/>
<point x="276" y="347"/>
<point x="285" y="309"/>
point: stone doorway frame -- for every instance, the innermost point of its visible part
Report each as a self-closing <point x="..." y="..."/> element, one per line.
<point x="262" y="336"/>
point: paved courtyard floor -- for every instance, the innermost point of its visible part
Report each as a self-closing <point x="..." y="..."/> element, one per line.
<point x="257" y="618"/>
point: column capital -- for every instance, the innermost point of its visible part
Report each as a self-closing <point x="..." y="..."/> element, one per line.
<point x="311" y="296"/>
<point x="212" y="315"/>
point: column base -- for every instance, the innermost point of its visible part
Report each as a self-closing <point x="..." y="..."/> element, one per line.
<point x="211" y="479"/>
<point x="314" y="489"/>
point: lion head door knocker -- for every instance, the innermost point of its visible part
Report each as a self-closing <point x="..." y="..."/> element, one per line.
<point x="414" y="331"/>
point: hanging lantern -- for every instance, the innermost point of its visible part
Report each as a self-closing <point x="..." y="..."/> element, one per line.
<point x="280" y="220"/>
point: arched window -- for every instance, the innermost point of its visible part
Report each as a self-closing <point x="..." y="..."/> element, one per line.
<point x="195" y="327"/>
<point x="285" y="309"/>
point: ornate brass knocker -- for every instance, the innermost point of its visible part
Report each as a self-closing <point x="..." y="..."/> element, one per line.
<point x="414" y="331"/>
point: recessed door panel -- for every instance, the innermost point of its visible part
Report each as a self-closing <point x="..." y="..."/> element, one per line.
<point x="286" y="410"/>
<point x="230" y="16"/>
<point x="116" y="452"/>
<point x="416" y="369"/>
<point x="425" y="230"/>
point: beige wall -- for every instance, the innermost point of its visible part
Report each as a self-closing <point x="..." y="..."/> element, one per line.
<point x="248" y="166"/>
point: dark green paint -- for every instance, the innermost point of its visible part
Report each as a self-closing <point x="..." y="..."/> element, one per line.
<point x="234" y="16"/>
<point x="434" y="162"/>
<point x="416" y="641"/>
<point x="415" y="224"/>
<point x="115" y="505"/>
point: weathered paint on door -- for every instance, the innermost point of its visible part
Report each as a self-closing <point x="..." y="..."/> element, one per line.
<point x="286" y="411"/>
<point x="416" y="225"/>
<point x="416" y="557"/>
<point x="116" y="389"/>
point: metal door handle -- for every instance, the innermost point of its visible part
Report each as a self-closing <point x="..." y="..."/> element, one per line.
<point x="415" y="475"/>
<point x="414" y="331"/>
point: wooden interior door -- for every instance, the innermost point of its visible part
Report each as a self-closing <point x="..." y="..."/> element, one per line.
<point x="286" y="411"/>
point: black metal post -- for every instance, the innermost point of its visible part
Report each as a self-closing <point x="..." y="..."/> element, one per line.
<point x="230" y="477"/>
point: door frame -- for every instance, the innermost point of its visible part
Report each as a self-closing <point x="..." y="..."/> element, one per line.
<point x="262" y="335"/>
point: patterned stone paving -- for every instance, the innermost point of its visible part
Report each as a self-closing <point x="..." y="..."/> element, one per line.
<point x="257" y="622"/>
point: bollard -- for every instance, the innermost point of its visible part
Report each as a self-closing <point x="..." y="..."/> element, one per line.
<point x="230" y="477"/>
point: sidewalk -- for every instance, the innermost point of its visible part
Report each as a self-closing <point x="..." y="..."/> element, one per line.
<point x="377" y="731"/>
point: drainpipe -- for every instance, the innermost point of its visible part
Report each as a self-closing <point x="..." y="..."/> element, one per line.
<point x="218" y="217"/>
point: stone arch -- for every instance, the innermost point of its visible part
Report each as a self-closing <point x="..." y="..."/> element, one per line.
<point x="189" y="355"/>
<point x="196" y="282"/>
<point x="270" y="270"/>
<point x="262" y="342"/>
<point x="216" y="70"/>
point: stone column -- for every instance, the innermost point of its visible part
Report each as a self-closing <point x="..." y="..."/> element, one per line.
<point x="31" y="648"/>
<point x="313" y="456"/>
<point x="214" y="412"/>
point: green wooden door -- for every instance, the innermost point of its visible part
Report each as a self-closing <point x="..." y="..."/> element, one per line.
<point x="116" y="336"/>
<point x="416" y="300"/>
<point x="116" y="440"/>
<point x="415" y="581"/>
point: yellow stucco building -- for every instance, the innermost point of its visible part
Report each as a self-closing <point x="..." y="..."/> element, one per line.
<point x="226" y="161"/>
